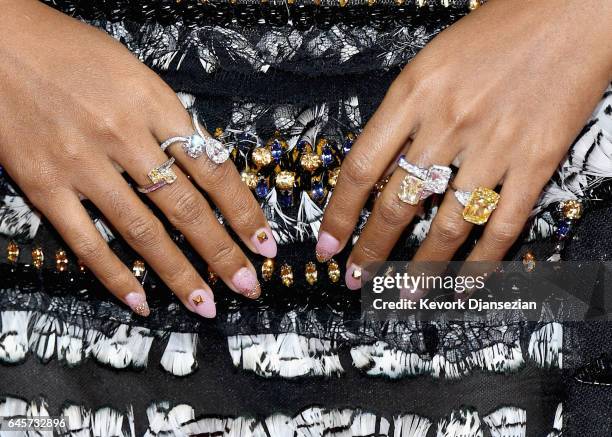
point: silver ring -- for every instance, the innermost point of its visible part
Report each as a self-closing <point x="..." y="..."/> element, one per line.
<point x="435" y="178"/>
<point x="413" y="169"/>
<point x="198" y="144"/>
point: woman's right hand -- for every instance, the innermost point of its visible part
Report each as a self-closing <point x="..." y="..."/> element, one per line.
<point x="76" y="107"/>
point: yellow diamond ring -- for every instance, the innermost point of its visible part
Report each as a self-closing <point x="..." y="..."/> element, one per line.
<point x="478" y="204"/>
<point x="160" y="176"/>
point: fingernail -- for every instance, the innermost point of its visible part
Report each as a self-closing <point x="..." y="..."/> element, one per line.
<point x="202" y="302"/>
<point x="138" y="303"/>
<point x="327" y="246"/>
<point x="353" y="277"/>
<point x="246" y="282"/>
<point x="264" y="242"/>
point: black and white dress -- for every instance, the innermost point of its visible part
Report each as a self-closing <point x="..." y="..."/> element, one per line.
<point x="296" y="76"/>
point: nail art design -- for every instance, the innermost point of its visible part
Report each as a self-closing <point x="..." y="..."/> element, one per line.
<point x="202" y="302"/>
<point x="264" y="243"/>
<point x="353" y="277"/>
<point x="138" y="303"/>
<point x="246" y="282"/>
<point x="327" y="246"/>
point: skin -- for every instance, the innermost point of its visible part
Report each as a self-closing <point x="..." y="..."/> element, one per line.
<point x="503" y="93"/>
<point x="76" y="107"/>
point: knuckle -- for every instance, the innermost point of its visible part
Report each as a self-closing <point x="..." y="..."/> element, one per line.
<point x="447" y="230"/>
<point x="217" y="175"/>
<point x="392" y="211"/>
<point x="179" y="274"/>
<point x="143" y="232"/>
<point x="224" y="252"/>
<point x="369" y="252"/>
<point x="356" y="171"/>
<point x="245" y="216"/>
<point x="503" y="235"/>
<point x="188" y="209"/>
<point x="89" y="250"/>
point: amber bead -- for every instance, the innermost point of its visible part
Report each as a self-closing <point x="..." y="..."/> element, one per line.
<point x="311" y="273"/>
<point x="267" y="269"/>
<point x="61" y="261"/>
<point x="286" y="273"/>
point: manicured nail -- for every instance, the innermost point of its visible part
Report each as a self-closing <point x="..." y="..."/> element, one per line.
<point x="202" y="302"/>
<point x="353" y="277"/>
<point x="327" y="246"/>
<point x="246" y="282"/>
<point x="138" y="303"/>
<point x="264" y="242"/>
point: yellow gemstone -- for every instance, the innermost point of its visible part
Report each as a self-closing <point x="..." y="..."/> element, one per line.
<point x="267" y="269"/>
<point x="480" y="206"/>
<point x="165" y="174"/>
<point x="12" y="252"/>
<point x="310" y="161"/>
<point x="333" y="270"/>
<point x="287" y="275"/>
<point x="218" y="133"/>
<point x="311" y="273"/>
<point x="474" y="4"/>
<point x="261" y="157"/>
<point x="249" y="177"/>
<point x="138" y="268"/>
<point x="411" y="190"/>
<point x="61" y="261"/>
<point x="332" y="177"/>
<point x="572" y="209"/>
<point x="38" y="257"/>
<point x="285" y="180"/>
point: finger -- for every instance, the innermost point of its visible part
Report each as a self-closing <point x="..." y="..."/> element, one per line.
<point x="78" y="231"/>
<point x="222" y="182"/>
<point x="188" y="211"/>
<point x="377" y="146"/>
<point x="390" y="215"/>
<point x="147" y="236"/>
<point x="449" y="229"/>
<point x="508" y="222"/>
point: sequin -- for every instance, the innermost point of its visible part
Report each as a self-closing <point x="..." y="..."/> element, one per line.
<point x="286" y="273"/>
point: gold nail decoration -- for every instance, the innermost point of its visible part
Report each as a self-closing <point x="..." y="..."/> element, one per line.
<point x="333" y="270"/>
<point x="286" y="273"/>
<point x="356" y="273"/>
<point x="138" y="268"/>
<point x="12" y="252"/>
<point x="249" y="177"/>
<point x="572" y="209"/>
<point x="38" y="257"/>
<point x="262" y="236"/>
<point x="267" y="269"/>
<point x="529" y="261"/>
<point x="142" y="309"/>
<point x="198" y="300"/>
<point x="212" y="277"/>
<point x="61" y="261"/>
<point x="311" y="273"/>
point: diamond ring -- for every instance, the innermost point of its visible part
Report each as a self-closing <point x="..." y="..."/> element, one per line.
<point x="420" y="183"/>
<point x="160" y="176"/>
<point x="198" y="144"/>
<point x="478" y="204"/>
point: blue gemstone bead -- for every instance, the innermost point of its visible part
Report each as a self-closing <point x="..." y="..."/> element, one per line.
<point x="318" y="192"/>
<point x="346" y="147"/>
<point x="327" y="156"/>
<point x="277" y="150"/>
<point x="301" y="144"/>
<point x="285" y="198"/>
<point x="563" y="229"/>
<point x="262" y="189"/>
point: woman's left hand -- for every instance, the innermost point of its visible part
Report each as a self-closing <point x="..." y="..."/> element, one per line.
<point x="502" y="94"/>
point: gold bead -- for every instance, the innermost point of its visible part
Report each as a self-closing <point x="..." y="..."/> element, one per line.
<point x="474" y="4"/>
<point x="421" y="3"/>
<point x="12" y="252"/>
<point x="82" y="266"/>
<point x="262" y="236"/>
<point x="311" y="273"/>
<point x="138" y="268"/>
<point x="529" y="261"/>
<point x="333" y="270"/>
<point x="285" y="180"/>
<point x="249" y="177"/>
<point x="371" y="2"/>
<point x="38" y="257"/>
<point x="286" y="273"/>
<point x="310" y="161"/>
<point x="332" y="177"/>
<point x="267" y="269"/>
<point x="343" y="3"/>
<point x="212" y="277"/>
<point x="61" y="261"/>
<point x="261" y="157"/>
<point x="399" y="2"/>
<point x="218" y="133"/>
<point x="572" y="209"/>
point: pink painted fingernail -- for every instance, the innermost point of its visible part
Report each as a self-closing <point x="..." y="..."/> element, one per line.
<point x="138" y="303"/>
<point x="353" y="277"/>
<point x="202" y="302"/>
<point x="327" y="246"/>
<point x="246" y="282"/>
<point x="264" y="242"/>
